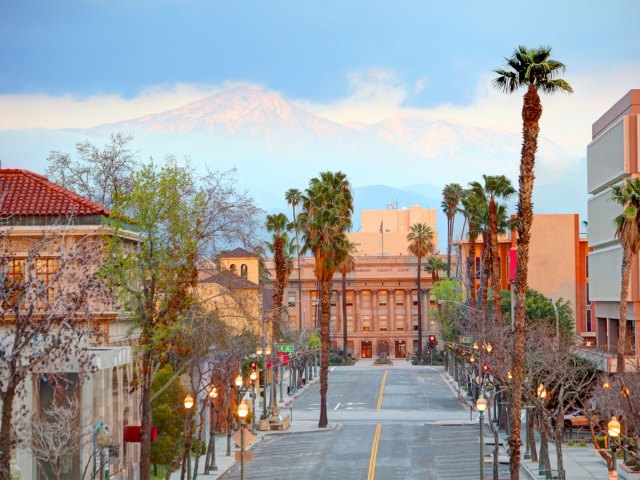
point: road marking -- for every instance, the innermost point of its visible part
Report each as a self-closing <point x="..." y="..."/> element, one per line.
<point x="374" y="452"/>
<point x="384" y="379"/>
<point x="337" y="406"/>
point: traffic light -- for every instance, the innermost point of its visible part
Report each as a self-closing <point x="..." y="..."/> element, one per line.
<point x="485" y="368"/>
<point x="428" y="351"/>
<point x="432" y="341"/>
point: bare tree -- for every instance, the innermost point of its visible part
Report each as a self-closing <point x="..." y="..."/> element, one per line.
<point x="100" y="175"/>
<point x="54" y="436"/>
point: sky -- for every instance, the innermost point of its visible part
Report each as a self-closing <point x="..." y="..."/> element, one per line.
<point x="78" y="64"/>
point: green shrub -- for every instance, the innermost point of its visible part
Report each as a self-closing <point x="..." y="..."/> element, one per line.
<point x="583" y="443"/>
<point x="336" y="360"/>
<point x="569" y="443"/>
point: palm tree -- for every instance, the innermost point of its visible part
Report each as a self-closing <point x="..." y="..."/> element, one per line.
<point x="346" y="264"/>
<point x="471" y="206"/>
<point x="628" y="231"/>
<point x="451" y="196"/>
<point x="327" y="206"/>
<point x="293" y="196"/>
<point x="433" y="266"/>
<point x="494" y="186"/>
<point x="420" y="238"/>
<point x="535" y="70"/>
<point x="277" y="225"/>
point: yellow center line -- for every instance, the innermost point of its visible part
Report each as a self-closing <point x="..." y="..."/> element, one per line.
<point x="384" y="379"/>
<point x="374" y="452"/>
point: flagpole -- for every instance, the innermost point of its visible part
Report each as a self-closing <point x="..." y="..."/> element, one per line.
<point x="382" y="234"/>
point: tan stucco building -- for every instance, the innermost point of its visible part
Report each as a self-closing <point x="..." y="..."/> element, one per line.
<point x="384" y="232"/>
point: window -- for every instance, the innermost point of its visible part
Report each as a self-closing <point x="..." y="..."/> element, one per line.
<point x="334" y="296"/>
<point x="399" y="298"/>
<point x="45" y="271"/>
<point x="400" y="322"/>
<point x="382" y="323"/>
<point x="366" y="299"/>
<point x="588" y="300"/>
<point x="233" y="268"/>
<point x="244" y="270"/>
<point x="350" y="298"/>
<point x="366" y="323"/>
<point x="589" y="320"/>
<point x="415" y="298"/>
<point x="13" y="273"/>
<point x="586" y="266"/>
<point x="293" y="319"/>
<point x="291" y="299"/>
<point x="382" y="298"/>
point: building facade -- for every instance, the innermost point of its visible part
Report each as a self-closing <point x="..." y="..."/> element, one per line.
<point x="558" y="265"/>
<point x="39" y="221"/>
<point x="612" y="156"/>
<point x="381" y="297"/>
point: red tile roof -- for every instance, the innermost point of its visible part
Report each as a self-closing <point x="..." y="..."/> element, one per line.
<point x="25" y="193"/>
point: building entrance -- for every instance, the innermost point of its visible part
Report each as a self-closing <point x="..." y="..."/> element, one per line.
<point x="401" y="349"/>
<point x="366" y="350"/>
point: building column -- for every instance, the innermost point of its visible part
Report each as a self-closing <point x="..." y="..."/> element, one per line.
<point x="356" y="311"/>
<point x="408" y="313"/>
<point x="392" y="311"/>
<point x="375" y="314"/>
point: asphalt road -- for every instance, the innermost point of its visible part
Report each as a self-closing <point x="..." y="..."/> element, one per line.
<point x="393" y="423"/>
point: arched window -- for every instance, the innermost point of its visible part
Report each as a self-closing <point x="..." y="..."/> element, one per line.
<point x="232" y="267"/>
<point x="244" y="270"/>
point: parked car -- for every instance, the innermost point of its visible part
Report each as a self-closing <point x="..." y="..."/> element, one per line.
<point x="577" y="420"/>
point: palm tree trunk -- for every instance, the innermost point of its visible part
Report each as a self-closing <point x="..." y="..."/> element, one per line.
<point x="344" y="316"/>
<point x="449" y="240"/>
<point x="486" y="269"/>
<point x="624" y="294"/>
<point x="531" y="112"/>
<point x="419" y="292"/>
<point x="495" y="263"/>
<point x="299" y="270"/>
<point x="471" y="268"/>
<point x="324" y="352"/>
<point x="5" y="426"/>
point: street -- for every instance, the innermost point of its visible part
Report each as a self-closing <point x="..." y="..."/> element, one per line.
<point x="385" y="422"/>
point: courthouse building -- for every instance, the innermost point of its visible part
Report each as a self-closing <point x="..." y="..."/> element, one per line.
<point x="381" y="297"/>
<point x="612" y="156"/>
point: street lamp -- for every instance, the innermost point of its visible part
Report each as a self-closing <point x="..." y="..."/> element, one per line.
<point x="243" y="410"/>
<point x="542" y="391"/>
<point x="188" y="404"/>
<point x="481" y="405"/>
<point x="613" y="428"/>
<point x="213" y="394"/>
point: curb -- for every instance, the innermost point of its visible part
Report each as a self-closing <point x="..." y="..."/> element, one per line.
<point x="335" y="428"/>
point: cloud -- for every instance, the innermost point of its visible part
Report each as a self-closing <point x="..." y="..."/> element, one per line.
<point x="68" y="111"/>
<point x="566" y="121"/>
<point x="375" y="94"/>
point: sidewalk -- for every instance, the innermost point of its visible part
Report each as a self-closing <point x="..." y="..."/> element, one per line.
<point x="580" y="463"/>
<point x="224" y="463"/>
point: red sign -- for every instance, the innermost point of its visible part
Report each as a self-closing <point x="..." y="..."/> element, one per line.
<point x="133" y="433"/>
<point x="513" y="263"/>
<point x="283" y="359"/>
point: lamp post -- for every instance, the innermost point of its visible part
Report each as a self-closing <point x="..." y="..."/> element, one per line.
<point x="613" y="428"/>
<point x="213" y="394"/>
<point x="253" y="377"/>
<point x="243" y="410"/>
<point x="186" y="465"/>
<point x="481" y="405"/>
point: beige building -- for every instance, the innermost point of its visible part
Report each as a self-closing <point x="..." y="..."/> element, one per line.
<point x="32" y="209"/>
<point x="234" y="292"/>
<point x="384" y="232"/>
<point x="612" y="156"/>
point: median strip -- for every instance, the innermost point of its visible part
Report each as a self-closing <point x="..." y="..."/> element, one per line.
<point x="384" y="379"/>
<point x="374" y="452"/>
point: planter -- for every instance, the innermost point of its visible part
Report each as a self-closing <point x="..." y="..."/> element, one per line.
<point x="626" y="473"/>
<point x="263" y="425"/>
